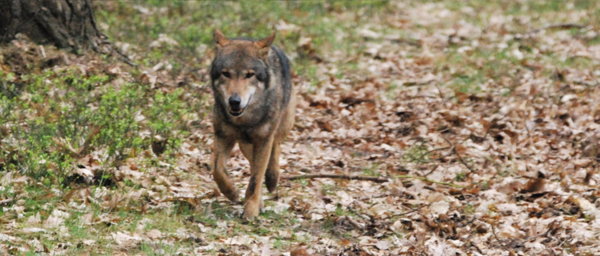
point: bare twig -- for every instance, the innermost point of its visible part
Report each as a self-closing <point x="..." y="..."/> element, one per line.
<point x="359" y="214"/>
<point x="428" y="180"/>
<point x="432" y="170"/>
<point x="556" y="27"/>
<point x="421" y="251"/>
<point x="440" y="158"/>
<point x="375" y="196"/>
<point x="469" y="238"/>
<point x="409" y="212"/>
<point x="497" y="239"/>
<point x="83" y="149"/>
<point x="441" y="93"/>
<point x="64" y="144"/>
<point x="419" y="83"/>
<point x="433" y="150"/>
<point x="353" y="222"/>
<point x="411" y="42"/>
<point x="366" y="178"/>
<point x="124" y="57"/>
<point x="458" y="155"/>
<point x="551" y="227"/>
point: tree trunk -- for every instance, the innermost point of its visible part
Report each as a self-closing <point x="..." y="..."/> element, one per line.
<point x="66" y="24"/>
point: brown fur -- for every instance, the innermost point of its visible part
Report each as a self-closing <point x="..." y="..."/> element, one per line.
<point x="259" y="74"/>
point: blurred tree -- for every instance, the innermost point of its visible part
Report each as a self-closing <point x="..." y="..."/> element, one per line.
<point x="68" y="24"/>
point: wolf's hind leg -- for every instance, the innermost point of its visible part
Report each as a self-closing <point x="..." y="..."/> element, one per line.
<point x="222" y="152"/>
<point x="272" y="174"/>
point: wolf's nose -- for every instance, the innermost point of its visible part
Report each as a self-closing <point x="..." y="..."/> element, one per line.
<point x="235" y="101"/>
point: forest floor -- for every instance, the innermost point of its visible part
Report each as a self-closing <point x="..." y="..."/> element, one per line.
<point x="479" y="119"/>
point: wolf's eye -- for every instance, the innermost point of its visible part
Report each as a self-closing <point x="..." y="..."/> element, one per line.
<point x="249" y="75"/>
<point x="226" y="74"/>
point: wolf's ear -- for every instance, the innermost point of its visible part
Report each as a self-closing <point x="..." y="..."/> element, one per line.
<point x="220" y="39"/>
<point x="264" y="45"/>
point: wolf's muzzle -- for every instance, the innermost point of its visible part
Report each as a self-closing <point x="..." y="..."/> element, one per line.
<point x="235" y="102"/>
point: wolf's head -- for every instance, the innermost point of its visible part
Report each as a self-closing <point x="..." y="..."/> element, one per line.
<point x="240" y="70"/>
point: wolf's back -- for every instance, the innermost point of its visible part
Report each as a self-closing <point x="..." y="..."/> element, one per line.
<point x="283" y="70"/>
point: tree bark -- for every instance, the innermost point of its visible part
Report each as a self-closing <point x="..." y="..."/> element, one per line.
<point x="68" y="24"/>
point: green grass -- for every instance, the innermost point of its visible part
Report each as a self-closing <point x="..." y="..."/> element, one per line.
<point x="69" y="114"/>
<point x="191" y="25"/>
<point x="416" y="154"/>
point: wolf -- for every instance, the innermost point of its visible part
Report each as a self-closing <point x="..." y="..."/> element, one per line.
<point x="254" y="107"/>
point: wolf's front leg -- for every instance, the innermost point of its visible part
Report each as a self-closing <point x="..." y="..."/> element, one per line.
<point x="261" y="152"/>
<point x="221" y="154"/>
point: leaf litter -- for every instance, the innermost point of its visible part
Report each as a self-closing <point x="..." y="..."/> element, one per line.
<point x="482" y="137"/>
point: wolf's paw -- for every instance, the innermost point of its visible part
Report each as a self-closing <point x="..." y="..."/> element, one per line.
<point x="252" y="208"/>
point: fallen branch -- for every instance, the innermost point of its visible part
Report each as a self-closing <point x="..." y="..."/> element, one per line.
<point x="367" y="178"/>
<point x="336" y="176"/>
